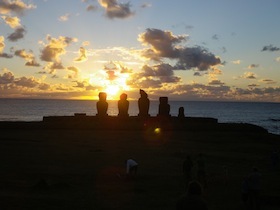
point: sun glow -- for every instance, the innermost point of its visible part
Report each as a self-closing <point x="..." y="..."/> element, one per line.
<point x="112" y="90"/>
<point x="113" y="87"/>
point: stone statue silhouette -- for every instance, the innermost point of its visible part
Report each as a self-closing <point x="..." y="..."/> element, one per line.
<point x="123" y="105"/>
<point x="143" y="104"/>
<point x="181" y="113"/>
<point x="102" y="105"/>
<point x="164" y="107"/>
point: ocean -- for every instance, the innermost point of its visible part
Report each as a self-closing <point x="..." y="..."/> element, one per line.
<point x="266" y="115"/>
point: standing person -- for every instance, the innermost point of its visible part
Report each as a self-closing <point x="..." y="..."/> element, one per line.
<point x="254" y="185"/>
<point x="192" y="199"/>
<point x="131" y="168"/>
<point x="187" y="169"/>
<point x="201" y="170"/>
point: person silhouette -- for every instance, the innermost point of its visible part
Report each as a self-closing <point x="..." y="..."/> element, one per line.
<point x="131" y="168"/>
<point x="192" y="199"/>
<point x="123" y="105"/>
<point x="181" y="113"/>
<point x="102" y="105"/>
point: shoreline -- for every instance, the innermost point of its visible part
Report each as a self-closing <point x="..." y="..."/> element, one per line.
<point x="82" y="121"/>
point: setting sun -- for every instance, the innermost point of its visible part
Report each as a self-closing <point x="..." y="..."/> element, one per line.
<point x="112" y="90"/>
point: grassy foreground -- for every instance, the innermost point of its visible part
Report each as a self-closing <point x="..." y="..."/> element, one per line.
<point x="77" y="169"/>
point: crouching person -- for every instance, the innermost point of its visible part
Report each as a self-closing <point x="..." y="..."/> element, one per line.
<point x="131" y="168"/>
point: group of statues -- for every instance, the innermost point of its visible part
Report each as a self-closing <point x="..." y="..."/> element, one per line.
<point x="143" y="105"/>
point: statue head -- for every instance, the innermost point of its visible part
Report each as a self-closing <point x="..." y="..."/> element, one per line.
<point x="102" y="96"/>
<point x="123" y="96"/>
<point x="143" y="93"/>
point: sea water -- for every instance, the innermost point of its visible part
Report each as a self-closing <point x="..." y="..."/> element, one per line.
<point x="266" y="115"/>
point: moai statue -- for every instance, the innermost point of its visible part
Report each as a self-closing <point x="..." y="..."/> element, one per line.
<point x="123" y="105"/>
<point x="181" y="113"/>
<point x="102" y="105"/>
<point x="164" y="107"/>
<point x="143" y="104"/>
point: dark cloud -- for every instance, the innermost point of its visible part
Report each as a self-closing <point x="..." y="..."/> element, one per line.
<point x="270" y="48"/>
<point x="28" y="56"/>
<point x="44" y="86"/>
<point x="252" y="66"/>
<point x="26" y="82"/>
<point x="253" y="85"/>
<point x="32" y="63"/>
<point x="216" y="82"/>
<point x="154" y="76"/>
<point x="56" y="65"/>
<point x="114" y="9"/>
<point x="91" y="8"/>
<point x="5" y="55"/>
<point x="18" y="7"/>
<point x="269" y="81"/>
<point x="163" y="45"/>
<point x="6" y="78"/>
<point x="196" y="57"/>
<point x="18" y="34"/>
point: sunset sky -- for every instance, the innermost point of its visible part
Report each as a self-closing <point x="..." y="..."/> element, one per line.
<point x="184" y="49"/>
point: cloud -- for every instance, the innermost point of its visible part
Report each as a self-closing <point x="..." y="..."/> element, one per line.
<point x="270" y="48"/>
<point x="197" y="57"/>
<point x="44" y="86"/>
<point x="216" y="82"/>
<point x="75" y="71"/>
<point x="17" y="34"/>
<point x="146" y="5"/>
<point x="215" y="37"/>
<point x="236" y="62"/>
<point x="249" y="75"/>
<point x="6" y="78"/>
<point x="164" y="45"/>
<point x="114" y="9"/>
<point x="91" y="8"/>
<point x="154" y="76"/>
<point x="83" y="55"/>
<point x="86" y="43"/>
<point x="253" y="85"/>
<point x="268" y="81"/>
<point x="16" y="6"/>
<point x="64" y="18"/>
<point x="55" y="48"/>
<point x="13" y="22"/>
<point x="29" y="57"/>
<point x="2" y="46"/>
<point x="253" y="66"/>
<point x="26" y="82"/>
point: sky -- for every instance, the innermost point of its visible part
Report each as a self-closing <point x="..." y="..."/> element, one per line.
<point x="200" y="50"/>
